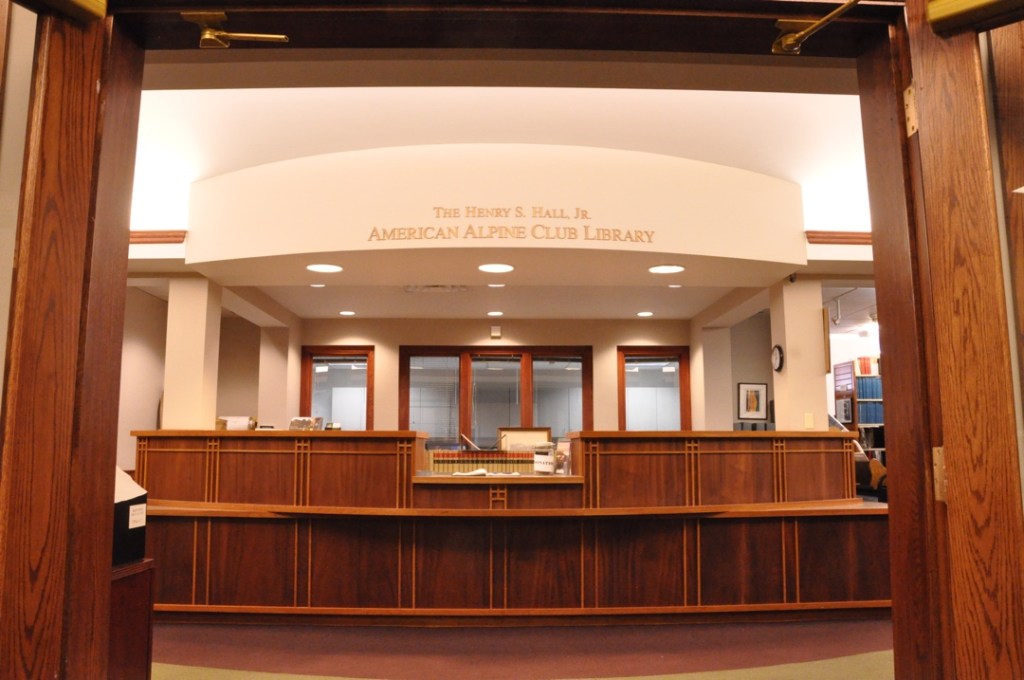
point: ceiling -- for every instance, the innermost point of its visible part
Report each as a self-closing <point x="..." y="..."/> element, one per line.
<point x="203" y="115"/>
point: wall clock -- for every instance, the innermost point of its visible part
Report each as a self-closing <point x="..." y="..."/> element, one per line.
<point x="778" y="358"/>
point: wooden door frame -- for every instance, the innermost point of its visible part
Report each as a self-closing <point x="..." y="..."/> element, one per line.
<point x="953" y="377"/>
<point x="64" y="352"/>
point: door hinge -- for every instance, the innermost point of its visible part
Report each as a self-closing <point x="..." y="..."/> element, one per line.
<point x="910" y="109"/>
<point x="939" y="472"/>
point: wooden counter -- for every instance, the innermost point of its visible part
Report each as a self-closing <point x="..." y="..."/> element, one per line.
<point x="338" y="524"/>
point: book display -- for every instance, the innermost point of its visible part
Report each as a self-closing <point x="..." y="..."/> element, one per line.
<point x="345" y="525"/>
<point x="859" y="402"/>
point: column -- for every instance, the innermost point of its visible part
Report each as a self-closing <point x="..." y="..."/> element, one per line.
<point x="193" y="346"/>
<point x="799" y="388"/>
<point x="279" y="376"/>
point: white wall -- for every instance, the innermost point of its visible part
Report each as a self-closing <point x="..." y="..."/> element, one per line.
<point x="142" y="370"/>
<point x="683" y="205"/>
<point x="239" y="367"/>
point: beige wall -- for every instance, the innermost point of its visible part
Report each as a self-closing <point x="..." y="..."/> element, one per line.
<point x="17" y="82"/>
<point x="751" y="346"/>
<point x="238" y="368"/>
<point x="142" y="370"/>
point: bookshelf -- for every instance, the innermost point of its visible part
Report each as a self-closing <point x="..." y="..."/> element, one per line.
<point x="859" y="402"/>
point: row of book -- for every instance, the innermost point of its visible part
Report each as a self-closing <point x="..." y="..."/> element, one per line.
<point x="870" y="412"/>
<point x="448" y="462"/>
<point x="869" y="387"/>
<point x="867" y="366"/>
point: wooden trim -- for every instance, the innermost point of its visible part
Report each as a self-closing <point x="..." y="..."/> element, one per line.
<point x="157" y="237"/>
<point x="972" y="354"/>
<point x="839" y="238"/>
<point x="907" y="339"/>
<point x="59" y="443"/>
<point x="831" y="508"/>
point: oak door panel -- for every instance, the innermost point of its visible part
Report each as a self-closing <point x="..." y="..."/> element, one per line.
<point x="252" y="562"/>
<point x="352" y="479"/>
<point x="355" y="562"/>
<point x="843" y="560"/>
<point x="452" y="564"/>
<point x="741" y="561"/>
<point x="544" y="560"/>
<point x="171" y="542"/>
<point x="640" y="562"/>
<point x="257" y="474"/>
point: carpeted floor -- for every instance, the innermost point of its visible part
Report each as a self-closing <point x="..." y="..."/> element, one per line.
<point x="837" y="650"/>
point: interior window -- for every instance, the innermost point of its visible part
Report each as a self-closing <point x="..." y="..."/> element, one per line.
<point x="338" y="386"/>
<point x="461" y="396"/>
<point x="434" y="399"/>
<point x="654" y="389"/>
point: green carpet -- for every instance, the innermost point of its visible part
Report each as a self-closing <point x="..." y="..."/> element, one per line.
<point x="872" y="666"/>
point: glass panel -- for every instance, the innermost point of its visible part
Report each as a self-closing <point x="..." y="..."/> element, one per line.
<point x="652" y="393"/>
<point x="558" y="395"/>
<point x="339" y="391"/>
<point x="434" y="399"/>
<point x="495" y="397"/>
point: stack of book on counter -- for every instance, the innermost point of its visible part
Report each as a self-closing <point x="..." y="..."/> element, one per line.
<point x="446" y="462"/>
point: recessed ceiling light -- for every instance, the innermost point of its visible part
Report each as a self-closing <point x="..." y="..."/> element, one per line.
<point x="324" y="268"/>
<point x="496" y="268"/>
<point x="675" y="285"/>
<point x="495" y="285"/>
<point x="666" y="269"/>
<point x="645" y="314"/>
<point x="317" y="285"/>
<point x="495" y="313"/>
<point x="347" y="313"/>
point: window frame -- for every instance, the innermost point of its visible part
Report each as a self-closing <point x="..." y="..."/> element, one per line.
<point x="526" y="354"/>
<point x="680" y="353"/>
<point x="306" y="386"/>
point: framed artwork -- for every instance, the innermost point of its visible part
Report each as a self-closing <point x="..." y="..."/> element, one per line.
<point x="753" y="401"/>
<point x="516" y="438"/>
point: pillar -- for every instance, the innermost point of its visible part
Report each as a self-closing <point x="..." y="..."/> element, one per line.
<point x="799" y="388"/>
<point x="192" y="355"/>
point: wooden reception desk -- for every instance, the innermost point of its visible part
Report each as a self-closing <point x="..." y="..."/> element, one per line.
<point x="350" y="525"/>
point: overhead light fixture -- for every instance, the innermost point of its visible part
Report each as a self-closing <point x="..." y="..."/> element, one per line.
<point x="317" y="285"/>
<point x="675" y="285"/>
<point x="495" y="285"/>
<point x="645" y="314"/>
<point x="347" y="312"/>
<point x="495" y="313"/>
<point x="496" y="268"/>
<point x="324" y="268"/>
<point x="666" y="269"/>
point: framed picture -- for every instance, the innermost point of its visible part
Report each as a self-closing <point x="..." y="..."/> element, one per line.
<point x="513" y="438"/>
<point x="753" y="401"/>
